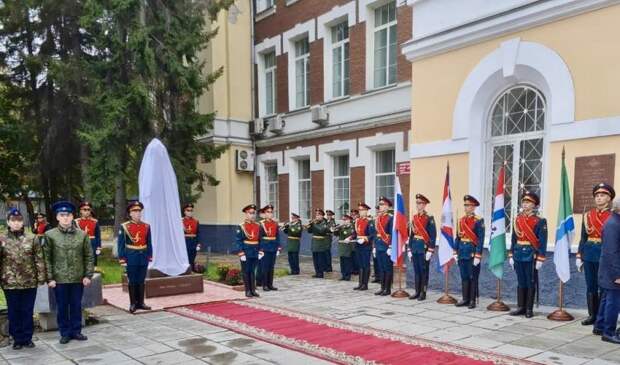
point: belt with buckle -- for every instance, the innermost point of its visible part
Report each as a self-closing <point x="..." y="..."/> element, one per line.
<point x="524" y="243"/>
<point x="135" y="247"/>
<point x="248" y="242"/>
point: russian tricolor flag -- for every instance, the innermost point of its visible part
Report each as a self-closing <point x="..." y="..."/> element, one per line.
<point x="446" y="238"/>
<point x="399" y="226"/>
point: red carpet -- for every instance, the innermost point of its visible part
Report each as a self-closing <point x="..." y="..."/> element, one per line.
<point x="333" y="340"/>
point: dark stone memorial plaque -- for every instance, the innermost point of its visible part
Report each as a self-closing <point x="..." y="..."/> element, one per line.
<point x="591" y="170"/>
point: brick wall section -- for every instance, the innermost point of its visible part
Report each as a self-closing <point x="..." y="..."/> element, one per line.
<point x="286" y="17"/>
<point x="283" y="197"/>
<point x="357" y="185"/>
<point x="282" y="83"/>
<point x="357" y="58"/>
<point x="404" y="187"/>
<point x="398" y="127"/>
<point x="316" y="72"/>
<point x="317" y="190"/>
<point x="404" y="32"/>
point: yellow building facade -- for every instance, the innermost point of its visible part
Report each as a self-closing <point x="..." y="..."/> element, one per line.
<point x="219" y="207"/>
<point x="514" y="81"/>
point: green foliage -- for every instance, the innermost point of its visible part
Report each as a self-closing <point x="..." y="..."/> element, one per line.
<point x="233" y="277"/>
<point x="222" y="271"/>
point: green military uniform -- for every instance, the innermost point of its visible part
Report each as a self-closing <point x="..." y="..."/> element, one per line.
<point x="345" y="250"/>
<point x="68" y="255"/>
<point x="321" y="243"/>
<point x="331" y="223"/>
<point x="293" y="230"/>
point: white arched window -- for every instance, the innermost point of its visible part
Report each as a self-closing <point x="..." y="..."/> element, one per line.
<point x="517" y="122"/>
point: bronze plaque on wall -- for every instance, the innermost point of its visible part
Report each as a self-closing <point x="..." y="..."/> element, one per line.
<point x="591" y="170"/>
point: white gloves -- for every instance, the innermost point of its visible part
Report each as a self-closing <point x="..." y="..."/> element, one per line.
<point x="389" y="252"/>
<point x="511" y="261"/>
<point x="198" y="247"/>
<point x="374" y="252"/>
<point x="346" y="240"/>
<point x="579" y="263"/>
<point x="260" y="255"/>
<point x="278" y="253"/>
<point x="538" y="265"/>
<point x="428" y="255"/>
<point x="243" y="258"/>
<point x="476" y="261"/>
<point x="360" y="241"/>
<point x="409" y="254"/>
<point x="455" y="257"/>
<point x="98" y="252"/>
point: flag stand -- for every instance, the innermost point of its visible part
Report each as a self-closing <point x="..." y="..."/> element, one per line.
<point x="446" y="298"/>
<point x="560" y="314"/>
<point x="400" y="293"/>
<point x="498" y="305"/>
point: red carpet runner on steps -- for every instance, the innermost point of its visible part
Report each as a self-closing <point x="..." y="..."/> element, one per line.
<point x="333" y="340"/>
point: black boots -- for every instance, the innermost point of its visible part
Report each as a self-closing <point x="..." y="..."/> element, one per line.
<point x="473" y="294"/>
<point x="382" y="281"/>
<point x="247" y="285"/>
<point x="253" y="284"/>
<point x="592" y="309"/>
<point x="466" y="290"/>
<point x="422" y="293"/>
<point x="529" y="312"/>
<point x="270" y="283"/>
<point x="360" y="280"/>
<point x="418" y="285"/>
<point x="521" y="294"/>
<point x="366" y="278"/>
<point x="140" y="298"/>
<point x="132" y="298"/>
<point x="387" y="279"/>
<point x="136" y="297"/>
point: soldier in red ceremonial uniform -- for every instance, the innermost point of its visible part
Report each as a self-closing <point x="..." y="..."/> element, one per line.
<point x="527" y="252"/>
<point x="190" y="228"/>
<point x="423" y="233"/>
<point x="247" y="248"/>
<point x="356" y="265"/>
<point x="383" y="248"/>
<point x="40" y="225"/>
<point x="364" y="236"/>
<point x="589" y="252"/>
<point x="90" y="226"/>
<point x="468" y="251"/>
<point x="134" y="253"/>
<point x="270" y="246"/>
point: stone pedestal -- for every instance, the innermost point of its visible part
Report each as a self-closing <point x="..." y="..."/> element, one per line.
<point x="158" y="284"/>
<point x="45" y="303"/>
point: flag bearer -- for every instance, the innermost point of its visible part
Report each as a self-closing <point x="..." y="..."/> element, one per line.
<point x="190" y="228"/>
<point x="270" y="245"/>
<point x="90" y="226"/>
<point x="319" y="230"/>
<point x="330" y="216"/>
<point x="345" y="247"/>
<point x="421" y="245"/>
<point x="247" y="248"/>
<point x="527" y="252"/>
<point x="468" y="251"/>
<point x="383" y="243"/>
<point x="364" y="236"/>
<point x="293" y="229"/>
<point x="259" y="268"/>
<point x="589" y="252"/>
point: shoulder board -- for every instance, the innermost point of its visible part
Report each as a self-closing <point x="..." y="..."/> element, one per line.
<point x="478" y="217"/>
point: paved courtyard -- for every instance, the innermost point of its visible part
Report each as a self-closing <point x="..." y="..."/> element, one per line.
<point x="166" y="338"/>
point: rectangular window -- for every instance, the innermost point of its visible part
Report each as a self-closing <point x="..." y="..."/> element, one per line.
<point x="385" y="173"/>
<point x="385" y="45"/>
<point x="262" y="5"/>
<point x="271" y="172"/>
<point x="302" y="73"/>
<point x="341" y="185"/>
<point x="270" y="83"/>
<point x="340" y="59"/>
<point x="304" y="188"/>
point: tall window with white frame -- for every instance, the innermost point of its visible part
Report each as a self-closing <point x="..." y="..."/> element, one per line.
<point x="517" y="123"/>
<point x="302" y="73"/>
<point x="269" y="60"/>
<point x="304" y="188"/>
<point x="385" y="173"/>
<point x="263" y="5"/>
<point x="271" y="185"/>
<point x="385" y="45"/>
<point x="341" y="185"/>
<point x="340" y="59"/>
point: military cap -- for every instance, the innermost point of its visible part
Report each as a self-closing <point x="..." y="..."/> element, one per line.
<point x="605" y="189"/>
<point x="355" y="211"/>
<point x="470" y="199"/>
<point x="346" y="216"/>
<point x="385" y="200"/>
<point x="267" y="207"/>
<point x="320" y="211"/>
<point x="13" y="212"/>
<point x="248" y="207"/>
<point x="134" y="205"/>
<point x="330" y="212"/>
<point x="422" y="198"/>
<point x="40" y="215"/>
<point x="85" y="204"/>
<point x="188" y="205"/>
<point x="295" y="215"/>
<point x="63" y="207"/>
<point x="362" y="205"/>
<point x="530" y="196"/>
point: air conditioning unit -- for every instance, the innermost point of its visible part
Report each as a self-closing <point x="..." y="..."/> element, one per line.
<point x="244" y="160"/>
<point x="257" y="127"/>
<point x="320" y="115"/>
<point x="276" y="124"/>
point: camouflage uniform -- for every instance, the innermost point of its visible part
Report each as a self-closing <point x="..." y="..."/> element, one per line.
<point x="22" y="269"/>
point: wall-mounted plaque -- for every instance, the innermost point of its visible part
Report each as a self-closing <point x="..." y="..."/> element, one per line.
<point x="591" y="170"/>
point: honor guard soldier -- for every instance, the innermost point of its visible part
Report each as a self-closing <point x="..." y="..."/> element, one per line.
<point x="527" y="252"/>
<point x="293" y="230"/>
<point x="469" y="244"/>
<point x="40" y="225"/>
<point x="69" y="262"/>
<point x="90" y="226"/>
<point x="355" y="263"/>
<point x="364" y="237"/>
<point x="383" y="243"/>
<point x="270" y="245"/>
<point x="346" y="243"/>
<point x="259" y="267"/>
<point x="135" y="251"/>
<point x="247" y="248"/>
<point x="22" y="270"/>
<point x="320" y="232"/>
<point x="331" y="223"/>
<point x="589" y="252"/>
<point x="423" y="234"/>
<point x="190" y="228"/>
<point x="376" y="276"/>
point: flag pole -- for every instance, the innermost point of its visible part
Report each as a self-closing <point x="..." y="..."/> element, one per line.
<point x="400" y="293"/>
<point x="446" y="298"/>
<point x="560" y="314"/>
<point x="498" y="305"/>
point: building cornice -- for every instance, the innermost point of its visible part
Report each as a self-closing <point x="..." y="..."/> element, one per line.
<point x="520" y="18"/>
